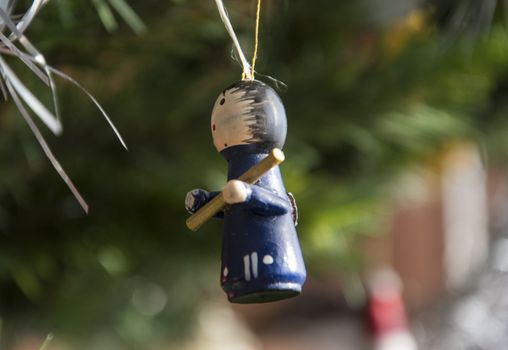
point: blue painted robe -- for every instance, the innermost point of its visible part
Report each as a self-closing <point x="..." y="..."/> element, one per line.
<point x="261" y="256"/>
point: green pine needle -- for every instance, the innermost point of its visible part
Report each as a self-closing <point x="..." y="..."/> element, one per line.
<point x="106" y="15"/>
<point x="48" y="340"/>
<point x="128" y="15"/>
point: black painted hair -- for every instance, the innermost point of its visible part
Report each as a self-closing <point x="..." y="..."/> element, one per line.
<point x="265" y="115"/>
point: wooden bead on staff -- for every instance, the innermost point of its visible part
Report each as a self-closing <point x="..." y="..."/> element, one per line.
<point x="251" y="176"/>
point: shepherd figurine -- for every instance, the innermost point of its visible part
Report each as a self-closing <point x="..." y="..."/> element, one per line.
<point x="261" y="256"/>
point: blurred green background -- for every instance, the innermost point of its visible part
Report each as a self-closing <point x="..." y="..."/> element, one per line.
<point x="372" y="88"/>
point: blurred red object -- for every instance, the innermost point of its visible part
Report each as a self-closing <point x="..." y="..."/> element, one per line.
<point x="385" y="313"/>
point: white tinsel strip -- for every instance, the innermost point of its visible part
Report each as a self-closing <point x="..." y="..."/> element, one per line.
<point x="15" y="43"/>
<point x="229" y="28"/>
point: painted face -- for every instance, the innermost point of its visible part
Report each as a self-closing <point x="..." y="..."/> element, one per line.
<point x="248" y="112"/>
<point x="230" y="118"/>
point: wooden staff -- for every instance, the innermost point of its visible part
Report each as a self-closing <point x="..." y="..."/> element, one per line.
<point x="218" y="203"/>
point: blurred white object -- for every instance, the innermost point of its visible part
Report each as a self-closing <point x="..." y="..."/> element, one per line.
<point x="465" y="214"/>
<point x="500" y="255"/>
<point x="396" y="340"/>
<point x="219" y="328"/>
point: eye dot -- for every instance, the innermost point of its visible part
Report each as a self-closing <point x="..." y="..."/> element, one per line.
<point x="213" y="127"/>
<point x="225" y="145"/>
<point x="222" y="101"/>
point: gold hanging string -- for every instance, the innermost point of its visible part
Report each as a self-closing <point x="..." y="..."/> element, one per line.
<point x="256" y="41"/>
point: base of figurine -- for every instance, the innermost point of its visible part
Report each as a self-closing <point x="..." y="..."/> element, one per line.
<point x="275" y="292"/>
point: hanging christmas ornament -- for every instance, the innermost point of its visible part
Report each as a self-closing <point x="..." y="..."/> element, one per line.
<point x="261" y="256"/>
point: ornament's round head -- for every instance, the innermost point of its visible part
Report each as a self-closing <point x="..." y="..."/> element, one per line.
<point x="248" y="112"/>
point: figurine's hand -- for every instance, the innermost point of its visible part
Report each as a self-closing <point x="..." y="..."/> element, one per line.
<point x="236" y="191"/>
<point x="195" y="199"/>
